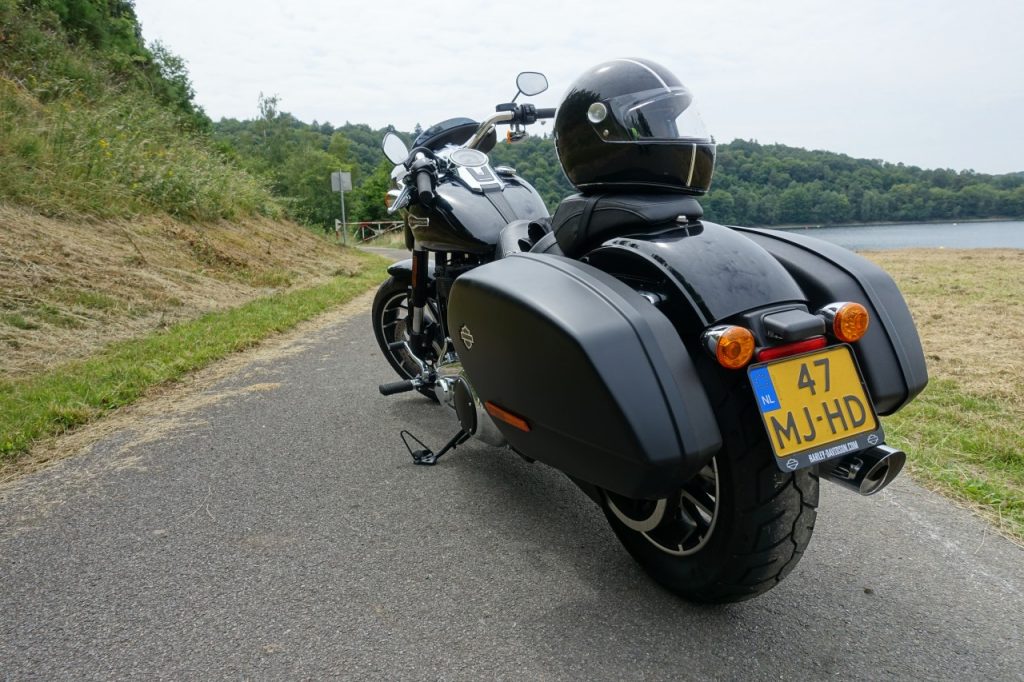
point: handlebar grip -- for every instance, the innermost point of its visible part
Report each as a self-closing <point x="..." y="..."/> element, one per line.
<point x="424" y="188"/>
<point x="546" y="113"/>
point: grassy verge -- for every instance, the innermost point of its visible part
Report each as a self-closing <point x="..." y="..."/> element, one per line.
<point x="966" y="447"/>
<point x="389" y="240"/>
<point x="963" y="435"/>
<point x="79" y="392"/>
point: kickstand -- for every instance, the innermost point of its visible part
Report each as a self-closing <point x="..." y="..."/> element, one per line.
<point x="425" y="455"/>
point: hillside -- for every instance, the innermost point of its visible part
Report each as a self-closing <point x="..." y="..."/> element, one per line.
<point x="118" y="214"/>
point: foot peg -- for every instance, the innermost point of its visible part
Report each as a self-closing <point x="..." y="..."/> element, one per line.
<point x="425" y="455"/>
<point x="397" y="387"/>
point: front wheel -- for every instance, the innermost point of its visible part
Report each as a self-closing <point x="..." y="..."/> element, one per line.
<point x="391" y="318"/>
<point x="732" y="532"/>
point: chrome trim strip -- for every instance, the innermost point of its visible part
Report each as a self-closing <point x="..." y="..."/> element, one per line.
<point x="693" y="163"/>
<point x="488" y="125"/>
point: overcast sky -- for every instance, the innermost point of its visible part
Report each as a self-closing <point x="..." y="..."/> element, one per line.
<point x="933" y="84"/>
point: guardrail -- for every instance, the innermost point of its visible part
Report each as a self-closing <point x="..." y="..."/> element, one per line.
<point x="367" y="230"/>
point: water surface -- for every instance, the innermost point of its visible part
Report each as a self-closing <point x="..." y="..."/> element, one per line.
<point x="1004" y="234"/>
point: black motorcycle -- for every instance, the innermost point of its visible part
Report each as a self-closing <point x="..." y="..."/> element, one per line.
<point x="695" y="380"/>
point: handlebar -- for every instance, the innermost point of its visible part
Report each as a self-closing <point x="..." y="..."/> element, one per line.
<point x="424" y="188"/>
<point x="423" y="168"/>
<point x="546" y="113"/>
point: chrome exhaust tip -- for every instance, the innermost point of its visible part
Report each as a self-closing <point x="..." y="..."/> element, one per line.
<point x="865" y="472"/>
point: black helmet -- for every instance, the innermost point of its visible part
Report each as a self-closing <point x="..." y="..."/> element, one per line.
<point x="628" y="124"/>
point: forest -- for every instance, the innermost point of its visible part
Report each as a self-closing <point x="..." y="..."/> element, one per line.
<point x="754" y="184"/>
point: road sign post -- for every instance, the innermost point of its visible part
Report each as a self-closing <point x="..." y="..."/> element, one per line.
<point x="341" y="182"/>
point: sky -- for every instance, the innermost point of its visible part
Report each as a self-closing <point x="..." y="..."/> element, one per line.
<point x="935" y="84"/>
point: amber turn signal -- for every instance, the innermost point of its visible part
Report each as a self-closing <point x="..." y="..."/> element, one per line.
<point x="848" y="321"/>
<point x="733" y="347"/>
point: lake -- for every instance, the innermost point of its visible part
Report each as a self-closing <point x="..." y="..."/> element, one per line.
<point x="1005" y="234"/>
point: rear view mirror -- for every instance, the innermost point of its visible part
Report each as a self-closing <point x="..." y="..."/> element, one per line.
<point x="394" y="148"/>
<point x="531" y="83"/>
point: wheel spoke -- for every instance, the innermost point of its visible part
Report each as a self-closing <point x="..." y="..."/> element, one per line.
<point x="705" y="508"/>
<point x="691" y="519"/>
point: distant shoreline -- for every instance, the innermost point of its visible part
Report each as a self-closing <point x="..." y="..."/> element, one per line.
<point x="808" y="226"/>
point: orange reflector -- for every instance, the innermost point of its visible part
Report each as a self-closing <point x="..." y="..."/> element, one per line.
<point x="735" y="348"/>
<point x="504" y="415"/>
<point x="851" y="322"/>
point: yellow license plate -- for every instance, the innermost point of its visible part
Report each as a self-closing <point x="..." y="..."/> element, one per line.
<point x="814" y="407"/>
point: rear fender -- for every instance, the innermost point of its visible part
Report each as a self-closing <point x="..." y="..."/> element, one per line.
<point x="890" y="354"/>
<point x="707" y="273"/>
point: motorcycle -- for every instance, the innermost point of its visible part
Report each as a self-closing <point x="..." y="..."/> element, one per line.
<point x="695" y="380"/>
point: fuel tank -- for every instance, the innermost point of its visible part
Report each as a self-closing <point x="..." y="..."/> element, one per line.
<point x="473" y="205"/>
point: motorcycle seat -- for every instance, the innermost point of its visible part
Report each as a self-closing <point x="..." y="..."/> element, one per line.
<point x="582" y="222"/>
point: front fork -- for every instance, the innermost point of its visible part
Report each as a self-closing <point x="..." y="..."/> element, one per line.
<point x="419" y="341"/>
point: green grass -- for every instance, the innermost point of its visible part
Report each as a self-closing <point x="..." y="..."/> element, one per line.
<point x="80" y="392"/>
<point x="87" y="299"/>
<point x="18" y="321"/>
<point x="967" y="447"/>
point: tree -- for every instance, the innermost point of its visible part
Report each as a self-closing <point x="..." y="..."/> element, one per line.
<point x="368" y="198"/>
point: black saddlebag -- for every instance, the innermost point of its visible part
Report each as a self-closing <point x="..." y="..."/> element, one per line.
<point x="890" y="354"/>
<point x="599" y="375"/>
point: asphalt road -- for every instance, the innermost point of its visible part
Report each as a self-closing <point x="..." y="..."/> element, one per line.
<point x="273" y="526"/>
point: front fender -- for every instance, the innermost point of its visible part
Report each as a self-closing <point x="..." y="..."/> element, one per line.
<point x="402" y="271"/>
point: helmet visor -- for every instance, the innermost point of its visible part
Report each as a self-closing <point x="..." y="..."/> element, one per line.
<point x="661" y="114"/>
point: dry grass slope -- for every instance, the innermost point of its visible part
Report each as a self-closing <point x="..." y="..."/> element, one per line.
<point x="70" y="287"/>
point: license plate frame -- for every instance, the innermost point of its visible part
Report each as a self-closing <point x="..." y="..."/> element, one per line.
<point x="794" y="407"/>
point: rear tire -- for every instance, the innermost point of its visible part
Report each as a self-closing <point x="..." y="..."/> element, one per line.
<point x="760" y="524"/>
<point x="390" y="317"/>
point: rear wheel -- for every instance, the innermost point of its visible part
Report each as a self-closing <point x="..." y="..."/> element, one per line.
<point x="735" y="529"/>
<point x="392" y="321"/>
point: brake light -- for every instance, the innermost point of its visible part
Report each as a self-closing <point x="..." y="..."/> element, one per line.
<point x="795" y="348"/>
<point x="733" y="347"/>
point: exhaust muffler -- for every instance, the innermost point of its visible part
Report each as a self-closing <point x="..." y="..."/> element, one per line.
<point x="454" y="390"/>
<point x="865" y="472"/>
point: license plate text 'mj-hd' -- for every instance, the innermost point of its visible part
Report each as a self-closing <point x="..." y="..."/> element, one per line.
<point x="814" y="407"/>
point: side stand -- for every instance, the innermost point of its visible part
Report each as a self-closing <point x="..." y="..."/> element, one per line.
<point x="425" y="455"/>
